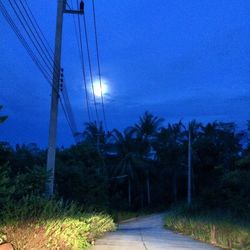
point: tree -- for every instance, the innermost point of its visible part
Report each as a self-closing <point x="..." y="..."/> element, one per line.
<point x="78" y="176"/>
<point x="148" y="125"/>
<point x="5" y="187"/>
<point x="125" y="146"/>
<point x="217" y="150"/>
<point x="169" y="148"/>
<point x="4" y="117"/>
<point x="146" y="131"/>
<point x="95" y="135"/>
<point x="193" y="127"/>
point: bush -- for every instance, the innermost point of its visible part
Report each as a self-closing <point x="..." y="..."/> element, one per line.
<point x="80" y="176"/>
<point x="231" y="195"/>
<point x="6" y="189"/>
<point x="38" y="223"/>
<point x="32" y="182"/>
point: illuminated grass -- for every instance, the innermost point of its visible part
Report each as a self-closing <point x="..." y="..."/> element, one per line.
<point x="221" y="232"/>
<point x="42" y="224"/>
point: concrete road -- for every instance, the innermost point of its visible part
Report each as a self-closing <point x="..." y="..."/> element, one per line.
<point x="147" y="233"/>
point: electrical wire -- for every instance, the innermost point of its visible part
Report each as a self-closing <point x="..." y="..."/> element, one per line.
<point x="68" y="106"/>
<point x="34" y="41"/>
<point x="38" y="26"/>
<point x="67" y="109"/>
<point x="67" y="118"/>
<point x="40" y="34"/>
<point x="81" y="57"/>
<point x="23" y="42"/>
<point x="33" y="57"/>
<point x="98" y="62"/>
<point x="90" y="66"/>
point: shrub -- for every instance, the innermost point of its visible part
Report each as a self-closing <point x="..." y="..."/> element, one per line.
<point x="6" y="189"/>
<point x="32" y="182"/>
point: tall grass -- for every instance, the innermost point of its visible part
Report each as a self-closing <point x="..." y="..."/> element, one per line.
<point x="216" y="229"/>
<point x="37" y="223"/>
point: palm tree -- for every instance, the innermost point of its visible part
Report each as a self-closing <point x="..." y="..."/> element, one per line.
<point x="169" y="147"/>
<point x="193" y="127"/>
<point x="146" y="131"/>
<point x="125" y="146"/>
<point x="148" y="124"/>
<point x="94" y="134"/>
<point x="2" y="118"/>
<point x="177" y="138"/>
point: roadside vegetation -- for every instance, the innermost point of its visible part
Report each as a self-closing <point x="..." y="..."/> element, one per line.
<point x="37" y="223"/>
<point x="220" y="229"/>
<point x="149" y="166"/>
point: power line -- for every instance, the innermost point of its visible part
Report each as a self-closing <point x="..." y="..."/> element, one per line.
<point x="34" y="41"/>
<point x="68" y="4"/>
<point x="67" y="117"/>
<point x="39" y="33"/>
<point x="24" y="42"/>
<point x="79" y="35"/>
<point x="90" y="66"/>
<point x="98" y="62"/>
<point x="37" y="38"/>
<point x="38" y="26"/>
<point x="80" y="51"/>
<point x="68" y="106"/>
<point x="67" y="109"/>
<point x="32" y="55"/>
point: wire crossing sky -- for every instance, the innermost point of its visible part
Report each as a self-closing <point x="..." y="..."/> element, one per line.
<point x="177" y="59"/>
<point x="24" y="15"/>
<point x="44" y="59"/>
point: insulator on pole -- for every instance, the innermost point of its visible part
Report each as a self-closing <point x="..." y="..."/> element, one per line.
<point x="82" y="6"/>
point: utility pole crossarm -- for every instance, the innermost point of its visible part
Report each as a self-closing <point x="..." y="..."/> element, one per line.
<point x="78" y="12"/>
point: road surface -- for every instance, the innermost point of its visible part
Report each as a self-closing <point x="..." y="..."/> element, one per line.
<point x="147" y="233"/>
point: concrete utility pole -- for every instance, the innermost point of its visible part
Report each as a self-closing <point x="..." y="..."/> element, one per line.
<point x="189" y="191"/>
<point x="61" y="9"/>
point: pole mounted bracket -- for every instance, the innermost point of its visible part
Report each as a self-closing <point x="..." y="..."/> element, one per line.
<point x="78" y="12"/>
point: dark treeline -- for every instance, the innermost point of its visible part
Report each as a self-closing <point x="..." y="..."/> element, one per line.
<point x="148" y="165"/>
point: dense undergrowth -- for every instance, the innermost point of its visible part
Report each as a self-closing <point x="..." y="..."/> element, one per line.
<point x="217" y="228"/>
<point x="37" y="223"/>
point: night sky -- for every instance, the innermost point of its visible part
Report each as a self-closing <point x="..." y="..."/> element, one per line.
<point x="178" y="59"/>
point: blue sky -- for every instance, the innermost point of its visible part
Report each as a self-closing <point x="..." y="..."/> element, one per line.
<point x="178" y="59"/>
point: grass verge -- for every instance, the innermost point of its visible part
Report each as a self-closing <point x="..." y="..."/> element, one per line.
<point x="214" y="229"/>
<point x="37" y="223"/>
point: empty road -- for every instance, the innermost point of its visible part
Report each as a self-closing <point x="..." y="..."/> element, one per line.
<point x="147" y="233"/>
